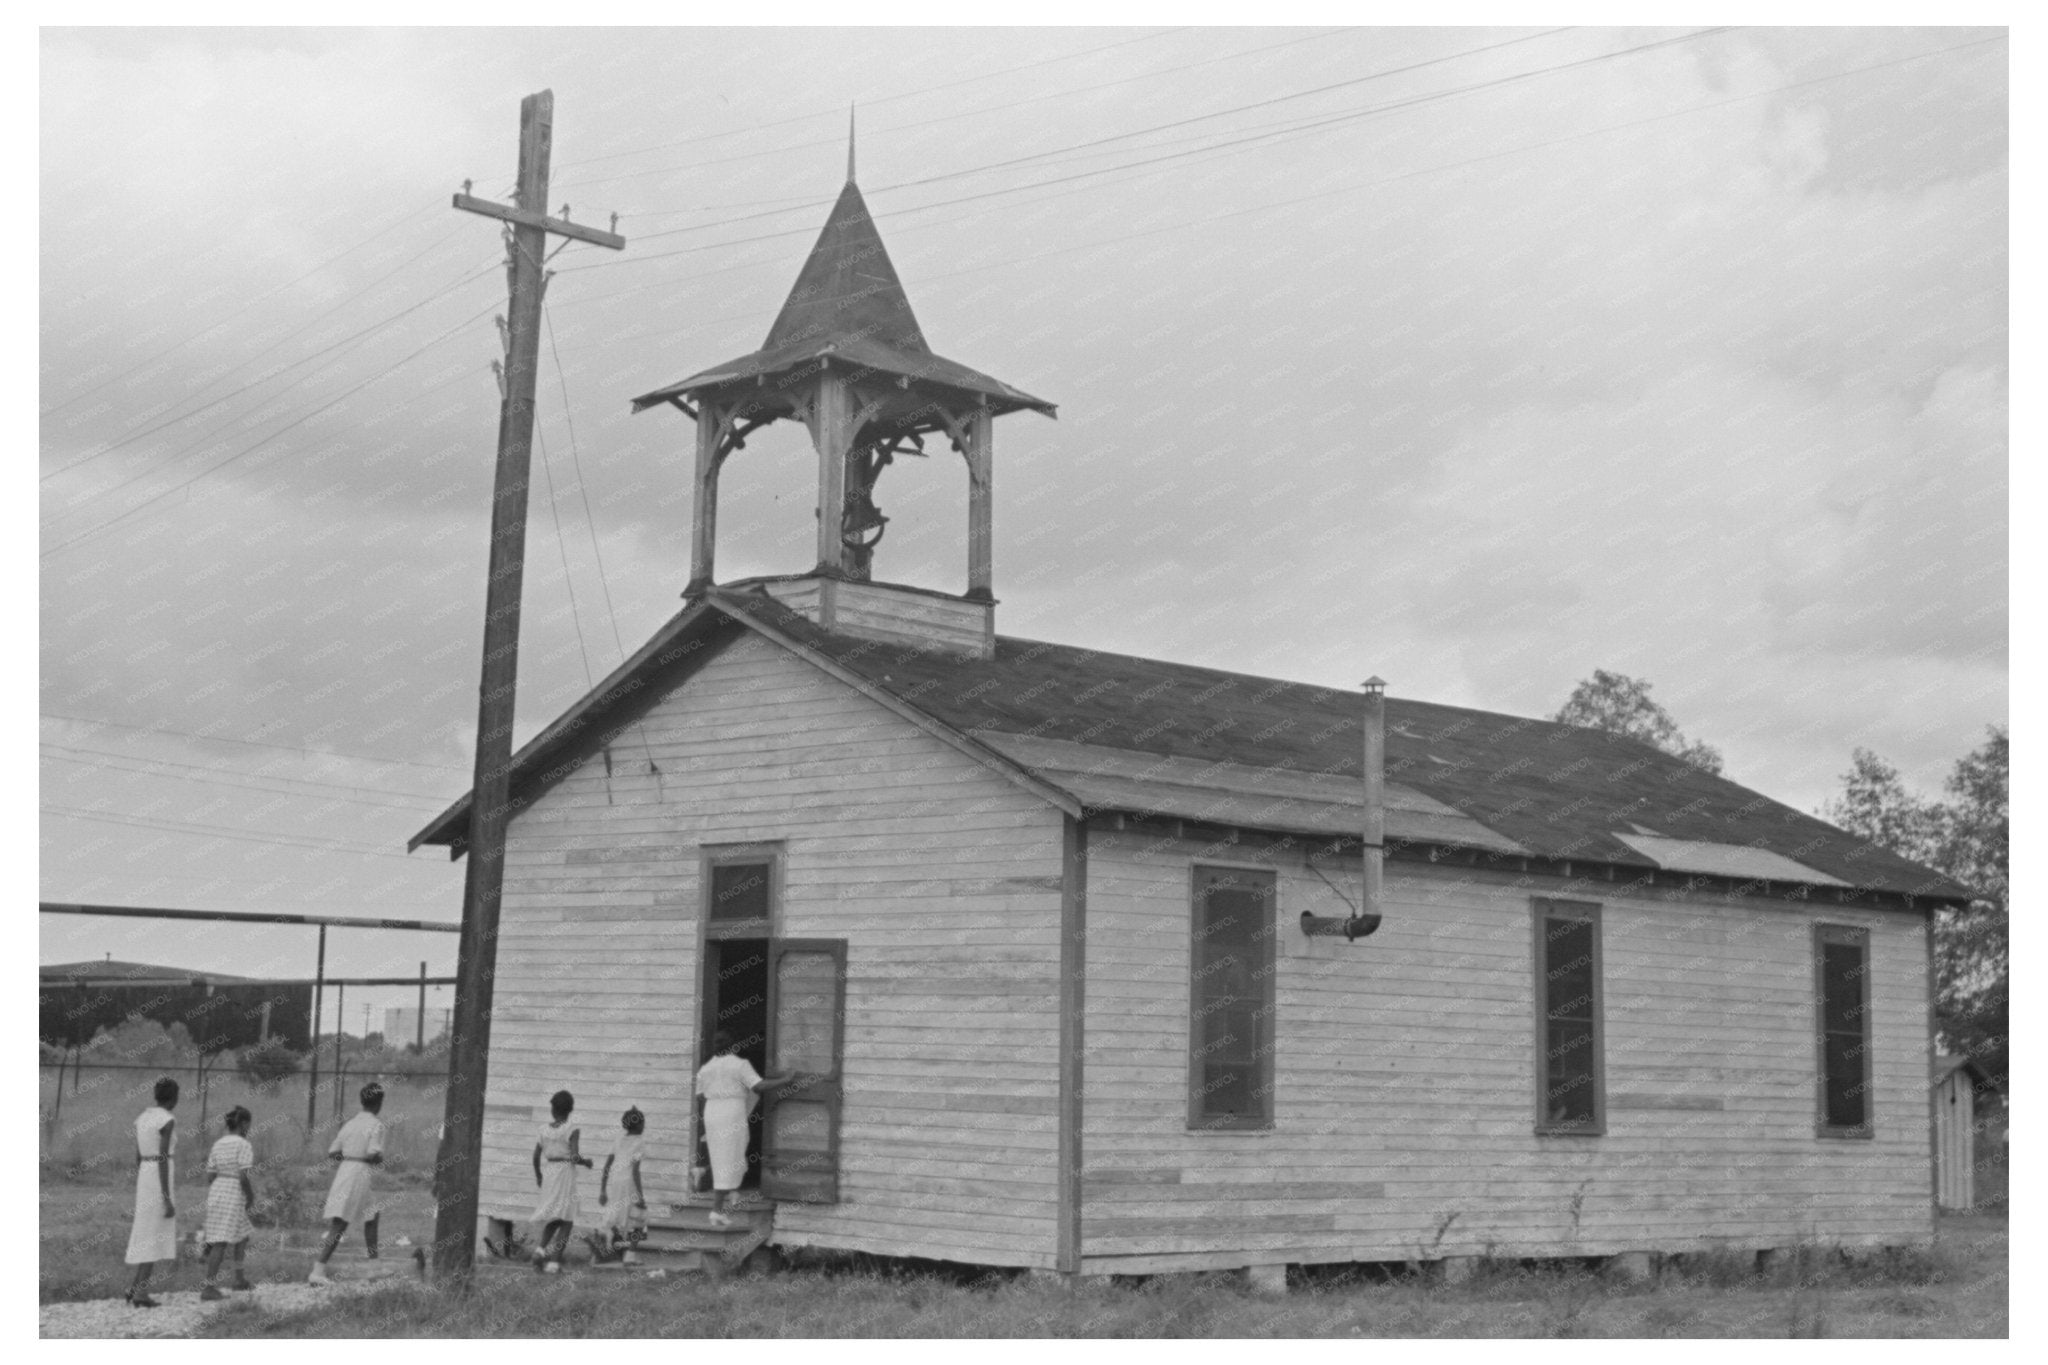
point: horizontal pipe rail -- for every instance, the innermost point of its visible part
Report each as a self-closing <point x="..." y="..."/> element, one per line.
<point x="199" y="979"/>
<point x="247" y="917"/>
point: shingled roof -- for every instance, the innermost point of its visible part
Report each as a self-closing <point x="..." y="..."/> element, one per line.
<point x="1113" y="732"/>
<point x="848" y="306"/>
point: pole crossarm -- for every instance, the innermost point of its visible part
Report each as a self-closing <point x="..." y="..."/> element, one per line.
<point x="243" y="917"/>
<point x="561" y="227"/>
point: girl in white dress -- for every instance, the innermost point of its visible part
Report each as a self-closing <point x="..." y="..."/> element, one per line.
<point x="624" y="1218"/>
<point x="355" y="1149"/>
<point x="726" y="1086"/>
<point x="154" y="1237"/>
<point x="559" y="1148"/>
<point x="228" y="1197"/>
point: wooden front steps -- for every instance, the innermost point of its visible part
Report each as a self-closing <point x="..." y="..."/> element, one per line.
<point x="686" y="1232"/>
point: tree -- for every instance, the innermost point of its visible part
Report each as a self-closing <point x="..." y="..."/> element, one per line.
<point x="1965" y="837"/>
<point x="269" y="1064"/>
<point x="1622" y="705"/>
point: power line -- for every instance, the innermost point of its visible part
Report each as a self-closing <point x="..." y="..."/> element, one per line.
<point x="1284" y="203"/>
<point x="217" y="832"/>
<point x="562" y="544"/>
<point x="788" y="205"/>
<point x="582" y="486"/>
<point x="300" y="421"/>
<point x="1468" y="162"/>
<point x="1059" y="152"/>
<point x="790" y="201"/>
<point x="100" y="758"/>
<point x="872" y="103"/>
<point x="349" y="342"/>
<point x="1184" y="122"/>
<point x="1349" y="116"/>
<point x="214" y="327"/>
<point x="590" y="521"/>
<point x="251" y="743"/>
<point x="282" y="369"/>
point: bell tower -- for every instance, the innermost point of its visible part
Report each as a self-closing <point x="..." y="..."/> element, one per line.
<point x="848" y="360"/>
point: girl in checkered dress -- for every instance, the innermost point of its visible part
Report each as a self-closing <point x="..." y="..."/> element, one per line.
<point x="228" y="1197"/>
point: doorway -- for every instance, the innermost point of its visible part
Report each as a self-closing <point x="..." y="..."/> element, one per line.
<point x="735" y="997"/>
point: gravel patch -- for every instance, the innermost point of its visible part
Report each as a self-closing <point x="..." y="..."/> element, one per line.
<point x="180" y="1312"/>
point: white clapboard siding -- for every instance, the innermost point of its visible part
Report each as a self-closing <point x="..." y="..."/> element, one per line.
<point x="1405" y="1084"/>
<point x="943" y="878"/>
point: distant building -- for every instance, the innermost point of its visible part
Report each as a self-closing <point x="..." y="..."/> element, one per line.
<point x="402" y="1026"/>
<point x="78" y="999"/>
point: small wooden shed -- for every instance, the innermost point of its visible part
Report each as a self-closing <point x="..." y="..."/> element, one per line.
<point x="1044" y="929"/>
<point x="1957" y="1083"/>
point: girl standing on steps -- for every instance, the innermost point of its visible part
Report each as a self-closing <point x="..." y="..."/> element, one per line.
<point x="726" y="1086"/>
<point x="229" y="1196"/>
<point x="154" y="1236"/>
<point x="560" y="1147"/>
<point x="356" y="1148"/>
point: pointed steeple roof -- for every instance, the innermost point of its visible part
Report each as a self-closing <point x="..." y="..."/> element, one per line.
<point x="848" y="289"/>
<point x="848" y="306"/>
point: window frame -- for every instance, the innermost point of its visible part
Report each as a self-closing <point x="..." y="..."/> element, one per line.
<point x="1265" y="970"/>
<point x="1857" y="936"/>
<point x="713" y="856"/>
<point x="1543" y="909"/>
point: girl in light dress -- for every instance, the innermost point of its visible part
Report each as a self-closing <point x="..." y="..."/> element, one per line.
<point x="559" y="1148"/>
<point x="229" y="1196"/>
<point x="356" y="1148"/>
<point x="624" y="1218"/>
<point x="154" y="1236"/>
<point x="726" y="1086"/>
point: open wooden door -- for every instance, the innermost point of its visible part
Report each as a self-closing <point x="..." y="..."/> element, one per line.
<point x="806" y="1028"/>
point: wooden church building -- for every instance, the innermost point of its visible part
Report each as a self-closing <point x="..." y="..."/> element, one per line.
<point x="1104" y="964"/>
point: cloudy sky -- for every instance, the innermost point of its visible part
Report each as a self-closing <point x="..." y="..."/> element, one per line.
<point x="1477" y="358"/>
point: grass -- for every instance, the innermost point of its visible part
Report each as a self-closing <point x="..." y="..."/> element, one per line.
<point x="84" y="1229"/>
<point x="87" y="1163"/>
<point x="91" y="1132"/>
<point x="1956" y="1289"/>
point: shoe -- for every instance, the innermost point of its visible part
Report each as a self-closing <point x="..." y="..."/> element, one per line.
<point x="210" y="1293"/>
<point x="241" y="1282"/>
<point x="719" y="1220"/>
<point x="540" y="1262"/>
<point x="369" y="1255"/>
<point x="136" y="1300"/>
<point x="631" y="1257"/>
<point x="552" y="1268"/>
<point x="319" y="1276"/>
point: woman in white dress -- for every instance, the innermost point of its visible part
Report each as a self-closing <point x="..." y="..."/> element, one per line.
<point x="559" y="1148"/>
<point x="154" y="1236"/>
<point x="726" y="1086"/>
<point x="228" y="1197"/>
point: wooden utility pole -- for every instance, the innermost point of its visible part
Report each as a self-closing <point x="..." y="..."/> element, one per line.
<point x="456" y="1172"/>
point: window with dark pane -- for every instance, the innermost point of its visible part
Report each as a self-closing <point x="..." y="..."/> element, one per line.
<point x="1229" y="1056"/>
<point x="739" y="891"/>
<point x="1844" y="969"/>
<point x="1568" y="983"/>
